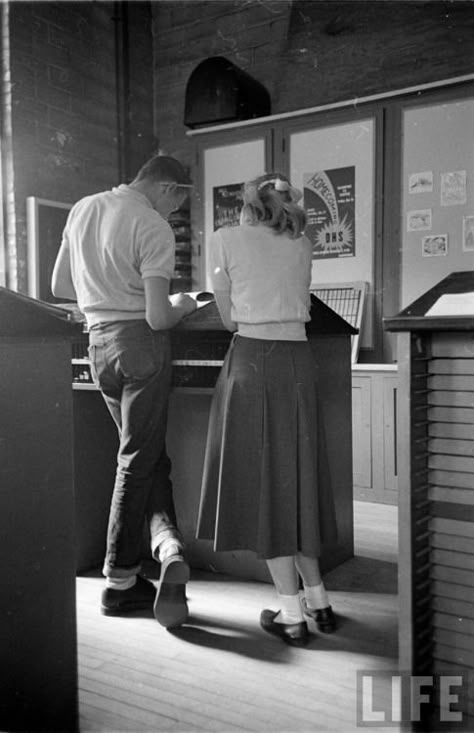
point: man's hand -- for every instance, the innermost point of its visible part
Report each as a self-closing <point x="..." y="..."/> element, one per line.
<point x="164" y="311"/>
<point x="183" y="302"/>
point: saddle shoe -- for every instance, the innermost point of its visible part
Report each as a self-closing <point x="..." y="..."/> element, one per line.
<point x="323" y="617"/>
<point x="293" y="634"/>
<point x="171" y="606"/>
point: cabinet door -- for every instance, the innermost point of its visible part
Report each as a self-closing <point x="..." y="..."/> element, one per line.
<point x="223" y="169"/>
<point x="362" y="432"/>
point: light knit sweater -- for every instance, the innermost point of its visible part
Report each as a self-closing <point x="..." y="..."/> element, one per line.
<point x="267" y="276"/>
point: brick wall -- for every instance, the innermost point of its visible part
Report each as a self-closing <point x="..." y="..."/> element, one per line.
<point x="252" y="35"/>
<point x="341" y="50"/>
<point x="306" y="52"/>
<point x="65" y="135"/>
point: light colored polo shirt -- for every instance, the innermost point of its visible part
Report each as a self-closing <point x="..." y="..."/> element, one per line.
<point x="116" y="239"/>
<point x="267" y="276"/>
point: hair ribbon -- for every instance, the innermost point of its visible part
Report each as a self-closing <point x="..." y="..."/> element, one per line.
<point x="281" y="185"/>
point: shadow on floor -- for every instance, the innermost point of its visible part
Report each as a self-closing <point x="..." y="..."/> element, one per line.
<point x="364" y="575"/>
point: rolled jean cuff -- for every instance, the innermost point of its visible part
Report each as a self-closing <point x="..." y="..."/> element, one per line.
<point x="112" y="572"/>
<point x="169" y="532"/>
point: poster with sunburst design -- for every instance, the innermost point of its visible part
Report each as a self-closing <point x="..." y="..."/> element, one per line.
<point x="329" y="200"/>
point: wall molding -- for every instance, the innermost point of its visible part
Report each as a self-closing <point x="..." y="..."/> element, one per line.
<point x="354" y="102"/>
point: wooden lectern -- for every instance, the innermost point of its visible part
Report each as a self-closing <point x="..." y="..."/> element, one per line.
<point x="38" y="664"/>
<point x="202" y="337"/>
<point x="435" y="448"/>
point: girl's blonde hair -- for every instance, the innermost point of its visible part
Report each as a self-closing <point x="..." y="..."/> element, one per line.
<point x="272" y="200"/>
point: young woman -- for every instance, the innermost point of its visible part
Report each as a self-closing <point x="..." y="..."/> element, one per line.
<point x="266" y="484"/>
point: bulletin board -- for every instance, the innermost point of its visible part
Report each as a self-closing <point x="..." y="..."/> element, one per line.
<point x="437" y="195"/>
<point x="226" y="168"/>
<point x="335" y="167"/>
<point x="45" y="220"/>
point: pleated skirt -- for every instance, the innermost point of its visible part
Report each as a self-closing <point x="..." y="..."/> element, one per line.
<point x="266" y="483"/>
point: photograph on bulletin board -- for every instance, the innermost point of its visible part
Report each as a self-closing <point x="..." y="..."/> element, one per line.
<point x="453" y="188"/>
<point x="329" y="200"/>
<point x="227" y="204"/>
<point x="468" y="234"/>
<point x="435" y="245"/>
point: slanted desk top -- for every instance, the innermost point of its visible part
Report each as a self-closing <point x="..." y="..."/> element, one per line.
<point x="414" y="318"/>
<point x="24" y="316"/>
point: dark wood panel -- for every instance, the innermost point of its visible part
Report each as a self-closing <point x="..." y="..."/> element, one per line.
<point x="452" y="447"/>
<point x="451" y="399"/>
<point x="452" y="559"/>
<point x="457" y="624"/>
<point x="462" y="643"/>
<point x="452" y="381"/>
<point x="450" y="653"/>
<point x="452" y="527"/>
<point x="453" y="592"/>
<point x="458" y="512"/>
<point x="461" y="497"/>
<point x="452" y="366"/>
<point x="451" y="414"/>
<point x="452" y="606"/>
<point x="462" y="464"/>
<point x="451" y="345"/>
<point x="453" y="575"/>
<point x="457" y="431"/>
<point x="451" y="478"/>
<point x="38" y="679"/>
<point x="450" y="542"/>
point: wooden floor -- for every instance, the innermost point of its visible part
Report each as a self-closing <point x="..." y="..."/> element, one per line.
<point x="221" y="673"/>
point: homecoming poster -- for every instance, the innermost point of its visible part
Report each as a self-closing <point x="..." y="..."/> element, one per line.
<point x="329" y="200"/>
<point x="227" y="203"/>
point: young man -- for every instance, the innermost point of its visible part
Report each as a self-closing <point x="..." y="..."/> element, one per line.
<point x="116" y="259"/>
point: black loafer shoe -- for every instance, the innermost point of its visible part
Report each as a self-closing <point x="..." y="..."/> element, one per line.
<point x="119" y="602"/>
<point x="324" y="618"/>
<point x="294" y="634"/>
<point x="171" y="607"/>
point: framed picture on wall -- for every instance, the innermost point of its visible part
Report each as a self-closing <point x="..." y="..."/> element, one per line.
<point x="45" y="220"/>
<point x="227" y="205"/>
<point x="224" y="168"/>
<point x="334" y="164"/>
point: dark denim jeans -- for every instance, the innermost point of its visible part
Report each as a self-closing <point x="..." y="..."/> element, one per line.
<point x="131" y="365"/>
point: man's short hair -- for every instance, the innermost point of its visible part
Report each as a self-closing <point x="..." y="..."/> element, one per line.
<point x="163" y="169"/>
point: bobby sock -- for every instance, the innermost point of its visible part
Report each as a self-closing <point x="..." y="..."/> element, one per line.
<point x="121" y="583"/>
<point x="290" y="610"/>
<point x="170" y="546"/>
<point x="316" y="596"/>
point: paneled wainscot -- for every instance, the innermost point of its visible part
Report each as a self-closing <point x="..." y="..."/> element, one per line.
<point x="374" y="447"/>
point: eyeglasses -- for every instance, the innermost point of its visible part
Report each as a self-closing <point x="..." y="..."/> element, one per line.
<point x="178" y="185"/>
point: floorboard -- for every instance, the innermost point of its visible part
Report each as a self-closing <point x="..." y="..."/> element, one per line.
<point x="220" y="672"/>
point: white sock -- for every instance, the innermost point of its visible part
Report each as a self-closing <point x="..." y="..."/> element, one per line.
<point x="290" y="610"/>
<point x="316" y="596"/>
<point x="121" y="583"/>
<point x="170" y="546"/>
